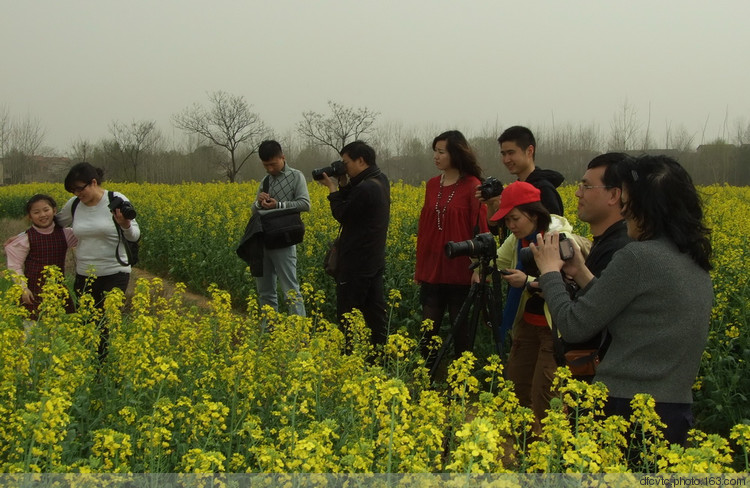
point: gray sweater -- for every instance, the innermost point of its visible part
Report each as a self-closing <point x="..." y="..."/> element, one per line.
<point x="289" y="188"/>
<point x="656" y="303"/>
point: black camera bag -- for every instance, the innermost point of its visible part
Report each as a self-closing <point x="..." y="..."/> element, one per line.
<point x="281" y="227"/>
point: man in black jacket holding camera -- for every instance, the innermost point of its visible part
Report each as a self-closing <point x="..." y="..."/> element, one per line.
<point x="360" y="202"/>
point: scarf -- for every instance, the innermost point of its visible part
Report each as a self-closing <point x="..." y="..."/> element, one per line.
<point x="513" y="299"/>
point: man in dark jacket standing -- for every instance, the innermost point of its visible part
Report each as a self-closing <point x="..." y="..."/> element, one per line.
<point x="599" y="204"/>
<point x="360" y="202"/>
<point x="518" y="149"/>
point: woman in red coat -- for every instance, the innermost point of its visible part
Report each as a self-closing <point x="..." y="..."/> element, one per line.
<point x="451" y="212"/>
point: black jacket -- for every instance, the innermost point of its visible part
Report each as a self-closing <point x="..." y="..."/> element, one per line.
<point x="250" y="248"/>
<point x="547" y="180"/>
<point x="363" y="209"/>
<point x="605" y="246"/>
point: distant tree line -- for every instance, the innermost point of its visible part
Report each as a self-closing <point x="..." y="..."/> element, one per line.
<point x="221" y="139"/>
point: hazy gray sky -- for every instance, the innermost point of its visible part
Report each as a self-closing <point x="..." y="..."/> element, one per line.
<point x="78" y="65"/>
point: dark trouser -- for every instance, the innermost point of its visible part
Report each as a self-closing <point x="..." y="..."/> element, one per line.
<point x="365" y="294"/>
<point x="531" y="367"/>
<point x="97" y="288"/>
<point x="677" y="416"/>
<point x="435" y="298"/>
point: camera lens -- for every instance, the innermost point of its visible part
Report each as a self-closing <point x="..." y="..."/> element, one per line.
<point x="481" y="245"/>
<point x="455" y="249"/>
<point x="127" y="210"/>
<point x="337" y="168"/>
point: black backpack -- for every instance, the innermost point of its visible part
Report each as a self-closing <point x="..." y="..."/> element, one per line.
<point x="131" y="247"/>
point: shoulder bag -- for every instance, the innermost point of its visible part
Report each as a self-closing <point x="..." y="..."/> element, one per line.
<point x="282" y="227"/>
<point x="331" y="258"/>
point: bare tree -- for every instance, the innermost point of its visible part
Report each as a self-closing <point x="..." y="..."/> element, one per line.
<point x="647" y="139"/>
<point x="343" y="125"/>
<point x="4" y="139"/>
<point x="27" y="135"/>
<point x="680" y="140"/>
<point x="4" y="130"/>
<point x="24" y="139"/>
<point x="741" y="132"/>
<point x="81" y="150"/>
<point x="624" y="129"/>
<point x="133" y="142"/>
<point x="227" y="123"/>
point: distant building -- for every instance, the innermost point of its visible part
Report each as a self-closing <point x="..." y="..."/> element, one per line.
<point x="33" y="169"/>
<point x="50" y="169"/>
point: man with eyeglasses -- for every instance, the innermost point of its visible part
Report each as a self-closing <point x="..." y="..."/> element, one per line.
<point x="599" y="193"/>
<point x="599" y="205"/>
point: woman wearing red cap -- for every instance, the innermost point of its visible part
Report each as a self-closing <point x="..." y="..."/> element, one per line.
<point x="450" y="213"/>
<point x="532" y="364"/>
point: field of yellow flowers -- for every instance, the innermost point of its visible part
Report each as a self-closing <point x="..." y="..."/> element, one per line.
<point x="190" y="390"/>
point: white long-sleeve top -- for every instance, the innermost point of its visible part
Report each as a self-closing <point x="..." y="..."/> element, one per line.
<point x="97" y="236"/>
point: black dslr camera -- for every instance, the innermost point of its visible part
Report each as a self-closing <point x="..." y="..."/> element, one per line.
<point x="337" y="168"/>
<point x="490" y="187"/>
<point x="126" y="208"/>
<point x="481" y="245"/>
<point x="527" y="257"/>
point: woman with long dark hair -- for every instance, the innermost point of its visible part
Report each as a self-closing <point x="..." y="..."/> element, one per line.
<point x="450" y="213"/>
<point x="654" y="298"/>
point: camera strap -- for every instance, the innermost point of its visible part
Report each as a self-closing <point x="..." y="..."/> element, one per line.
<point x="479" y="213"/>
<point x="125" y="243"/>
<point x="121" y="240"/>
<point x="266" y="184"/>
<point x="120" y="236"/>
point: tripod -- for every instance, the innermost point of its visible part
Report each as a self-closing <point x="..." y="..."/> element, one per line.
<point x="485" y="301"/>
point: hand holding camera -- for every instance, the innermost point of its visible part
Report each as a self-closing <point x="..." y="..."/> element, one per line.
<point x="330" y="176"/>
<point x="490" y="188"/>
<point x="489" y="193"/>
<point x="550" y="253"/>
<point x="122" y="210"/>
<point x="336" y="169"/>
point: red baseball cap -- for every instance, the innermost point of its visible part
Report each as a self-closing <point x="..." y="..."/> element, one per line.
<point x="515" y="194"/>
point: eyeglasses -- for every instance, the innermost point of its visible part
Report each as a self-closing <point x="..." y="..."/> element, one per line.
<point x="584" y="187"/>
<point x="79" y="189"/>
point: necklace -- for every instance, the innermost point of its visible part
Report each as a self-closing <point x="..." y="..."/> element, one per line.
<point x="441" y="212"/>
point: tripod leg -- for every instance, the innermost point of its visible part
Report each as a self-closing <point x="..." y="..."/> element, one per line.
<point x="447" y="343"/>
<point x="473" y="324"/>
<point x="450" y="338"/>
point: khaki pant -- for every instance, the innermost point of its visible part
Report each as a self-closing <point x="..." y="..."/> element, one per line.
<point x="531" y="367"/>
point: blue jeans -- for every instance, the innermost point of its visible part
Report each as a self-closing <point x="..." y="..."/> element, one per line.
<point x="280" y="264"/>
